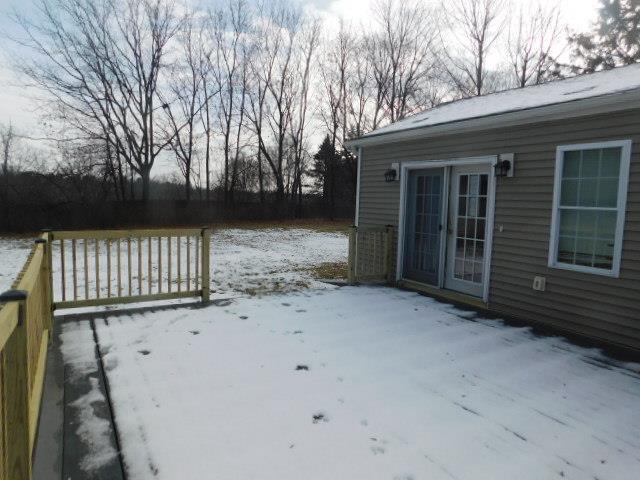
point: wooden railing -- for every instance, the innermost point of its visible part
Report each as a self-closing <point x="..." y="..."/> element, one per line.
<point x="25" y="325"/>
<point x="81" y="269"/>
<point x="370" y="254"/>
<point x="107" y="267"/>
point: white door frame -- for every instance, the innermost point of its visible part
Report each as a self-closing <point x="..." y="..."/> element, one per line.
<point x="405" y="167"/>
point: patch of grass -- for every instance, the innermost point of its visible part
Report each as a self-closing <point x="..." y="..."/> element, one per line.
<point x="318" y="225"/>
<point x="332" y="270"/>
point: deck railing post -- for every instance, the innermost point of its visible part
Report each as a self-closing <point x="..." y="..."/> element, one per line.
<point x="206" y="280"/>
<point x="48" y="266"/>
<point x="15" y="394"/>
<point x="389" y="253"/>
<point x="47" y="288"/>
<point x="353" y="258"/>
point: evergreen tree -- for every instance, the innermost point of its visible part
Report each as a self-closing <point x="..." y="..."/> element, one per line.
<point x="614" y="41"/>
<point x="335" y="174"/>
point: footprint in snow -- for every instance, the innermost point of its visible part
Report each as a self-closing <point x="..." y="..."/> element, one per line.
<point x="378" y="450"/>
<point x="320" y="417"/>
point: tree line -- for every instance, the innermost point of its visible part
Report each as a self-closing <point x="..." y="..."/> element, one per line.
<point x="239" y="96"/>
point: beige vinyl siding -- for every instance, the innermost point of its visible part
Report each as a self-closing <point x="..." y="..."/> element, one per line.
<point x="592" y="305"/>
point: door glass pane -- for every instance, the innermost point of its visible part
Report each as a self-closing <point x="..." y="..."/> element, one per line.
<point x="470" y="232"/>
<point x="482" y="207"/>
<point x="464" y="181"/>
<point x="474" y="185"/>
<point x="426" y="234"/>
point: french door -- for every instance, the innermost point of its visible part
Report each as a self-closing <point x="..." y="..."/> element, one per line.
<point x="425" y="190"/>
<point x="469" y="204"/>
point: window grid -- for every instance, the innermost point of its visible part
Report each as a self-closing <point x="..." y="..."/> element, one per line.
<point x="470" y="228"/>
<point x="575" y="246"/>
<point x="427" y="234"/>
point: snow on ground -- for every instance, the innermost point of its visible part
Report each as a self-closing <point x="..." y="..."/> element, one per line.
<point x="242" y="261"/>
<point x="13" y="255"/>
<point x="78" y="350"/>
<point x="353" y="382"/>
<point x="259" y="261"/>
<point x="366" y="383"/>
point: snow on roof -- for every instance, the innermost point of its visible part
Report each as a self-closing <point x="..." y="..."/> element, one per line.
<point x="577" y="88"/>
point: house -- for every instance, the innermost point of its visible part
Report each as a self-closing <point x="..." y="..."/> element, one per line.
<point x="525" y="203"/>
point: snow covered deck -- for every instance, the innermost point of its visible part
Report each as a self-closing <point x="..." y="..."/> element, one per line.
<point x="356" y="382"/>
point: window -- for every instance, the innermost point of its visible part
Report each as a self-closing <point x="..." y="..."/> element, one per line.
<point x="588" y="207"/>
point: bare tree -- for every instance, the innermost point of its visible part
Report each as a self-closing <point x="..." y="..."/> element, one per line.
<point x="401" y="58"/>
<point x="533" y="43"/>
<point x="272" y="108"/>
<point x="7" y="142"/>
<point x="470" y="31"/>
<point x="306" y="52"/>
<point x="184" y="107"/>
<point x="336" y="66"/>
<point x="102" y="71"/>
<point x="229" y="29"/>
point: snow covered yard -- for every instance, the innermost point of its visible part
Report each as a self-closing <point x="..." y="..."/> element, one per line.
<point x="284" y="377"/>
<point x="243" y="261"/>
<point x="13" y="254"/>
<point x="359" y="382"/>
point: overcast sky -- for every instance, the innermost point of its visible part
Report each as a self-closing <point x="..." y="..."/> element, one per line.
<point x="17" y="107"/>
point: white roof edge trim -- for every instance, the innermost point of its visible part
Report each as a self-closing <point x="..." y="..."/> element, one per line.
<point x="574" y="108"/>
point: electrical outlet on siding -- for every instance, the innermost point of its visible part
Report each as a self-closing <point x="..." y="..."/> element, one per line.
<point x="539" y="283"/>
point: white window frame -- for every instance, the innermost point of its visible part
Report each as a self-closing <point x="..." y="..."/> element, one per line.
<point x="625" y="161"/>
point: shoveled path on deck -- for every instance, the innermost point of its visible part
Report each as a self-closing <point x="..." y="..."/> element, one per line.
<point x="357" y="382"/>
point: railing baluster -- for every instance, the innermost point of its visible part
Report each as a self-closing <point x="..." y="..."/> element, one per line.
<point x="140" y="264"/>
<point x="169" y="264"/>
<point x="197" y="276"/>
<point x="97" y="268"/>
<point x="85" y="242"/>
<point x="179" y="265"/>
<point x="159" y="264"/>
<point x="149" y="275"/>
<point x="129" y="263"/>
<point x="188" y="263"/>
<point x="119" y="265"/>
<point x="62" y="270"/>
<point x="75" y="269"/>
<point x="108" y="268"/>
<point x="206" y="268"/>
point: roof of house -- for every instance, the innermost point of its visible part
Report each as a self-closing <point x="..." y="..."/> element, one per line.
<point x="603" y="85"/>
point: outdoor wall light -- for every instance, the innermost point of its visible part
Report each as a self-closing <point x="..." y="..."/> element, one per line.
<point x="504" y="165"/>
<point x="392" y="174"/>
